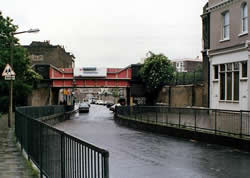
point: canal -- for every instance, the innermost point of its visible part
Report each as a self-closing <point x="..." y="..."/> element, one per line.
<point x="138" y="154"/>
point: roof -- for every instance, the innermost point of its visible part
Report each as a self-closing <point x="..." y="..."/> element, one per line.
<point x="187" y="59"/>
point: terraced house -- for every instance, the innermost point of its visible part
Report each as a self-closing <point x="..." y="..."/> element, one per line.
<point x="226" y="48"/>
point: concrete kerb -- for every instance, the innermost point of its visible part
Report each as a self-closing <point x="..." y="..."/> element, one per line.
<point x="68" y="114"/>
<point x="25" y="155"/>
<point x="11" y="147"/>
<point x="56" y="118"/>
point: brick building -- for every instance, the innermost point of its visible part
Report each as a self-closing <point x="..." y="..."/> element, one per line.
<point x="42" y="55"/>
<point x="45" y="53"/>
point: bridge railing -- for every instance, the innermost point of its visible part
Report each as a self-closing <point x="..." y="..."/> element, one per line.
<point x="227" y="122"/>
<point x="54" y="152"/>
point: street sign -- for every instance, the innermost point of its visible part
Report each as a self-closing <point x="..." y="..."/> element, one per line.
<point x="8" y="73"/>
<point x="9" y="77"/>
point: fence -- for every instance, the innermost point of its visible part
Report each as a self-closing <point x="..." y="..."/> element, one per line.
<point x="186" y="78"/>
<point x="229" y="122"/>
<point x="54" y="152"/>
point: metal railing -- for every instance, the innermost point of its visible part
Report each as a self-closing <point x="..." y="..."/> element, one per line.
<point x="54" y="152"/>
<point x="188" y="78"/>
<point x="227" y="122"/>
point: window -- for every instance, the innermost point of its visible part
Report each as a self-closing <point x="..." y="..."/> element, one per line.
<point x="216" y="72"/>
<point x="226" y="25"/>
<point x="229" y="82"/>
<point x="244" y="69"/>
<point x="222" y="81"/>
<point x="236" y="86"/>
<point x="244" y="20"/>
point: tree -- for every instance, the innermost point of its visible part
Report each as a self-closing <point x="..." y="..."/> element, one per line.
<point x="156" y="72"/>
<point x="25" y="75"/>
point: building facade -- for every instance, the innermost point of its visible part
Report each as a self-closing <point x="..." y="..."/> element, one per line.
<point x="42" y="55"/>
<point x="187" y="64"/>
<point x="45" y="53"/>
<point x="225" y="53"/>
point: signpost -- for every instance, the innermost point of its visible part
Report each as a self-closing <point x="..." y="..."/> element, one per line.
<point x="9" y="74"/>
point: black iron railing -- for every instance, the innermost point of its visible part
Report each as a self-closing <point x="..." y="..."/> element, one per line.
<point x="54" y="152"/>
<point x="188" y="78"/>
<point x="229" y="122"/>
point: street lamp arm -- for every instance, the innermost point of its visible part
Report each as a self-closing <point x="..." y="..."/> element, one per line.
<point x="27" y="31"/>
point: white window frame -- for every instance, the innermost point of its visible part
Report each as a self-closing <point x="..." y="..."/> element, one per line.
<point x="232" y="71"/>
<point x="243" y="18"/>
<point x="225" y="26"/>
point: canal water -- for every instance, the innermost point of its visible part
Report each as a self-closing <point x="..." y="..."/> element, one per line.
<point x="139" y="154"/>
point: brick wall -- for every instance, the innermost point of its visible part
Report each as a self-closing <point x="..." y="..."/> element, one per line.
<point x="45" y="53"/>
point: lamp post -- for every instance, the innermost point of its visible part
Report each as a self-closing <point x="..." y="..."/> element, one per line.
<point x="11" y="64"/>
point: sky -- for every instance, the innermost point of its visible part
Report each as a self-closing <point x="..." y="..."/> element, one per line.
<point x="112" y="33"/>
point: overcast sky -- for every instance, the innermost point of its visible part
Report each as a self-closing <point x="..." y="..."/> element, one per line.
<point x="111" y="33"/>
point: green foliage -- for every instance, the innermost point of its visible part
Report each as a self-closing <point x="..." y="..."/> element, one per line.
<point x="157" y="71"/>
<point x="25" y="76"/>
<point x="185" y="78"/>
<point x="34" y="173"/>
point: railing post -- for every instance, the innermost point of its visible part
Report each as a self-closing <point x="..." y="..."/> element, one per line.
<point x="195" y="113"/>
<point x="135" y="110"/>
<point x="156" y="115"/>
<point x="140" y="111"/>
<point x="240" y="124"/>
<point x="41" y="152"/>
<point x="29" y="132"/>
<point x="62" y="155"/>
<point x="177" y="77"/>
<point x="106" y="165"/>
<point x="22" y="135"/>
<point x="194" y="78"/>
<point x="167" y="114"/>
<point x="179" y="118"/>
<point x="215" y="120"/>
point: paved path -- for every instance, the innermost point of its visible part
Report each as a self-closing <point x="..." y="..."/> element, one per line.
<point x="12" y="163"/>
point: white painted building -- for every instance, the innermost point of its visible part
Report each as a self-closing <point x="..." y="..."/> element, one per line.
<point x="229" y="82"/>
<point x="186" y="64"/>
<point x="226" y="53"/>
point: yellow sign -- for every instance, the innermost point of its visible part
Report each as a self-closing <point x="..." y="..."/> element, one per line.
<point x="65" y="92"/>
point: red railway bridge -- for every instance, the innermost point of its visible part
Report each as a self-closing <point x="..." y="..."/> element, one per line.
<point x="86" y="77"/>
<point x="90" y="77"/>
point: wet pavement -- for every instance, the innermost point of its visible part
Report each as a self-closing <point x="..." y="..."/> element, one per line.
<point x="138" y="154"/>
<point x="12" y="162"/>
